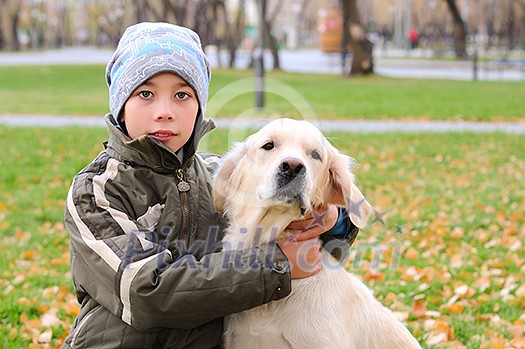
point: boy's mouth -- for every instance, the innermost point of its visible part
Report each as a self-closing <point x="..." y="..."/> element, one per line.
<point x="162" y="135"/>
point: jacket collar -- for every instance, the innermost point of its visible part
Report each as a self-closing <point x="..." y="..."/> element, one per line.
<point x="148" y="152"/>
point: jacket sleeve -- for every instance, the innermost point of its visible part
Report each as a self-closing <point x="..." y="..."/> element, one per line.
<point x="340" y="238"/>
<point x="142" y="282"/>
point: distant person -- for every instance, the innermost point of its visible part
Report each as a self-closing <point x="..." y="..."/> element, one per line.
<point x="146" y="260"/>
<point x="413" y="37"/>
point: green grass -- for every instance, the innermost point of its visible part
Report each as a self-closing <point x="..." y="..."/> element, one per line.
<point x="456" y="218"/>
<point x="65" y="90"/>
<point x="81" y="90"/>
<point x="38" y="165"/>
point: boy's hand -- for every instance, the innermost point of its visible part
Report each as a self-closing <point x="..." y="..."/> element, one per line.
<point x="304" y="256"/>
<point x="302" y="245"/>
<point x="315" y="223"/>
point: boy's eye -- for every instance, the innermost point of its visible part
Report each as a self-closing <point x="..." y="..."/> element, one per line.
<point x="145" y="94"/>
<point x="181" y="95"/>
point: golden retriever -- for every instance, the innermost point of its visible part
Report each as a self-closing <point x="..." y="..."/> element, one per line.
<point x="277" y="175"/>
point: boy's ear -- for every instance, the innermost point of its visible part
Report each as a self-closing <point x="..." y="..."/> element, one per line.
<point x="223" y="181"/>
<point x="343" y="191"/>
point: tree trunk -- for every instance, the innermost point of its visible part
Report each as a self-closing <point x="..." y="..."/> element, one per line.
<point x="178" y="9"/>
<point x="459" y="32"/>
<point x="510" y="27"/>
<point x="299" y="28"/>
<point x="362" y="59"/>
<point x="234" y="39"/>
<point x="9" y="17"/>
<point x="201" y="24"/>
<point x="273" y="45"/>
<point x="14" y="31"/>
<point x="221" y="30"/>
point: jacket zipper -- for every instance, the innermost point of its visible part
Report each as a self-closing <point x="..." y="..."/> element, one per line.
<point x="184" y="187"/>
<point x="186" y="224"/>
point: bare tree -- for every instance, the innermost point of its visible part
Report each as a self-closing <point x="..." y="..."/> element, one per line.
<point x="302" y="10"/>
<point x="459" y="32"/>
<point x="269" y="20"/>
<point x="9" y="20"/>
<point x="521" y="31"/>
<point x="235" y="32"/>
<point x="108" y="20"/>
<point x="147" y="11"/>
<point x="178" y="8"/>
<point x="211" y="22"/>
<point x="268" y="23"/>
<point x="217" y="28"/>
<point x="513" y="28"/>
<point x="362" y="59"/>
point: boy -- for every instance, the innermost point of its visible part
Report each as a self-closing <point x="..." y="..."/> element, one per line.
<point x="145" y="239"/>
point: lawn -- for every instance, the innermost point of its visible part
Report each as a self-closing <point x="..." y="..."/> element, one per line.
<point x="81" y="90"/>
<point x="449" y="261"/>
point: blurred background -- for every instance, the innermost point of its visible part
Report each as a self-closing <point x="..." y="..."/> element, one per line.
<point x="488" y="34"/>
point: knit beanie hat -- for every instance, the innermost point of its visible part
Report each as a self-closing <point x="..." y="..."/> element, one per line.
<point x="148" y="49"/>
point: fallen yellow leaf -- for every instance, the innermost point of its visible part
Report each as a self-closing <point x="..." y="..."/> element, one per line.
<point x="45" y="337"/>
<point x="516" y="331"/>
<point x="419" y="309"/>
<point x="455" y="308"/>
<point x="411" y="254"/>
<point x="28" y="255"/>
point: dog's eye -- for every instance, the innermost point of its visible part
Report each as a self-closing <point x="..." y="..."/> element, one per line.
<point x="268" y="146"/>
<point x="315" y="155"/>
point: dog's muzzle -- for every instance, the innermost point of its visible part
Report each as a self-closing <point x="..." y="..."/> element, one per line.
<point x="290" y="181"/>
<point x="289" y="169"/>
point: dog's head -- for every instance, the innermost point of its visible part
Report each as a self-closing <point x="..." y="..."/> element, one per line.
<point x="288" y="165"/>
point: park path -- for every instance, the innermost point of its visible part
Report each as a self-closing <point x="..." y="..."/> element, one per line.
<point x="363" y="126"/>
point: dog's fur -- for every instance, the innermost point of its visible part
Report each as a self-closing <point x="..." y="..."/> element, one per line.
<point x="260" y="193"/>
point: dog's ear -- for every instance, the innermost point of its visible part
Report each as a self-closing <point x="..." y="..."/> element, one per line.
<point x="223" y="178"/>
<point x="343" y="191"/>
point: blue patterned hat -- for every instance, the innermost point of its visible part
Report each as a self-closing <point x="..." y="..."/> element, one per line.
<point x="148" y="49"/>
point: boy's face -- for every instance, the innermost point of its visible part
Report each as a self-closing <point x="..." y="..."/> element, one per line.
<point x="164" y="107"/>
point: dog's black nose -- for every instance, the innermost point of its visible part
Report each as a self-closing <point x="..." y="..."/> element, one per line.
<point x="290" y="181"/>
<point x="291" y="167"/>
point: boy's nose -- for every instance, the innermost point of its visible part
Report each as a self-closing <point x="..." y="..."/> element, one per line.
<point x="164" y="112"/>
<point x="163" y="116"/>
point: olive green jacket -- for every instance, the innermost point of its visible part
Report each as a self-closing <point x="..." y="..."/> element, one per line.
<point x="146" y="259"/>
